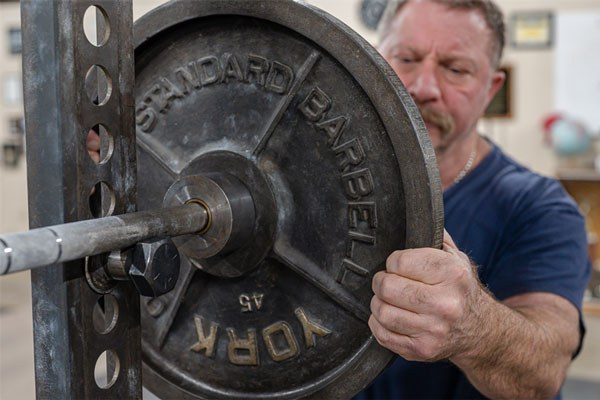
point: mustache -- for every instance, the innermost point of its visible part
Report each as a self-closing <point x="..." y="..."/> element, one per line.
<point x="442" y="120"/>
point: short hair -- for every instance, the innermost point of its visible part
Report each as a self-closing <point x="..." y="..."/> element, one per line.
<point x="494" y="18"/>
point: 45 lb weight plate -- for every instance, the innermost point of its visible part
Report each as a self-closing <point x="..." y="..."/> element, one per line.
<point x="307" y="137"/>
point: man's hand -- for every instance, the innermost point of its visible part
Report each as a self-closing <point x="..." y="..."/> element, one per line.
<point x="424" y="301"/>
<point x="93" y="145"/>
<point x="429" y="305"/>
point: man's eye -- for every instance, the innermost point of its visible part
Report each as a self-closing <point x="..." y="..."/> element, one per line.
<point x="457" y="71"/>
<point x="405" y="60"/>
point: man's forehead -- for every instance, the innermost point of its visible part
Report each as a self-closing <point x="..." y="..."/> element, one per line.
<point x="440" y="15"/>
<point x="420" y="21"/>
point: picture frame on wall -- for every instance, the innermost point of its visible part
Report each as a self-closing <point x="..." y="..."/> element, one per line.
<point x="531" y="30"/>
<point x="501" y="105"/>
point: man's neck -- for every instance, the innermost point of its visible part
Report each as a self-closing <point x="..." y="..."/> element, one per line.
<point x="456" y="157"/>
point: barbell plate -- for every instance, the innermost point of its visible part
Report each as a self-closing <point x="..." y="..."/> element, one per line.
<point x="318" y="127"/>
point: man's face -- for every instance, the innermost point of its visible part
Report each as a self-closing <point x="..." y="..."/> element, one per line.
<point x="442" y="56"/>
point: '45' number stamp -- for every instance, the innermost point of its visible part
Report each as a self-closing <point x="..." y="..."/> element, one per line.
<point x="252" y="302"/>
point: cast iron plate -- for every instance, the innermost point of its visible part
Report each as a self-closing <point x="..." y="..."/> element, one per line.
<point x="300" y="108"/>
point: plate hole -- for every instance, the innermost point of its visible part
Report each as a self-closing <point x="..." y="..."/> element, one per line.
<point x="100" y="144"/>
<point x="96" y="26"/>
<point x="102" y="200"/>
<point x="105" y="314"/>
<point x="98" y="85"/>
<point x="107" y="369"/>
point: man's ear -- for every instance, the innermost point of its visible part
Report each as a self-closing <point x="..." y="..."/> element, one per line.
<point x="498" y="79"/>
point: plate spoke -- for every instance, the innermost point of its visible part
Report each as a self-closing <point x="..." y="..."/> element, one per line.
<point x="285" y="102"/>
<point x="292" y="258"/>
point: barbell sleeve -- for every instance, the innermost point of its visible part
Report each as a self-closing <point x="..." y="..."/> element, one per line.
<point x="72" y="241"/>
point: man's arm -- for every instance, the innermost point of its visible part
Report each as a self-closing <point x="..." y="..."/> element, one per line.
<point x="429" y="305"/>
<point x="533" y="342"/>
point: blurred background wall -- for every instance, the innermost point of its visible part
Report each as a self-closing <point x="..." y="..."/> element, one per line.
<point x="533" y="93"/>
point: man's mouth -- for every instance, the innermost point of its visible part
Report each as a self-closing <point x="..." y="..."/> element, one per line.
<point x="441" y="121"/>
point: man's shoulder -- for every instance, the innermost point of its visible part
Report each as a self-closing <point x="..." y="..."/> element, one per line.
<point x="502" y="188"/>
<point x="505" y="209"/>
<point x="520" y="190"/>
<point x="535" y="227"/>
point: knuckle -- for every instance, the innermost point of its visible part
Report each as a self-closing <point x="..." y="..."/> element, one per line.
<point x="423" y="295"/>
<point x="444" y="310"/>
<point x="391" y="261"/>
<point x="376" y="282"/>
<point x="449" y="309"/>
<point x="383" y="337"/>
<point x="422" y="352"/>
<point x="376" y="309"/>
<point x="374" y="305"/>
<point x="411" y="351"/>
<point x="431" y="265"/>
<point x="396" y="259"/>
<point x="373" y="326"/>
<point x="461" y="269"/>
<point x="441" y="261"/>
<point x="427" y="350"/>
<point x="439" y="330"/>
<point x="386" y="315"/>
<point x="386" y="338"/>
<point x="417" y="296"/>
<point x="387" y="288"/>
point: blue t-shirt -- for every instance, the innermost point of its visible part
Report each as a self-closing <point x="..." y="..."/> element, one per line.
<point x="525" y="234"/>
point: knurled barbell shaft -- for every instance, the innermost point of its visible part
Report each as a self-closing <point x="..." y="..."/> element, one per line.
<point x="72" y="241"/>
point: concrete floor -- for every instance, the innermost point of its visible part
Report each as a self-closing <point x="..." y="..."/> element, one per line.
<point x="16" y="348"/>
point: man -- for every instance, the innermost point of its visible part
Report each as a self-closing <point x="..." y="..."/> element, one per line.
<point x="496" y="312"/>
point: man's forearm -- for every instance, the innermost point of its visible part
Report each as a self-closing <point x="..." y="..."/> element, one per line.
<point x="514" y="354"/>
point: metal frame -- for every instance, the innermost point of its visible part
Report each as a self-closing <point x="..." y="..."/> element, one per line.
<point x="61" y="175"/>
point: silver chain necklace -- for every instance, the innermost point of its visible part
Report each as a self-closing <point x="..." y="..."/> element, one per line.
<point x="467" y="166"/>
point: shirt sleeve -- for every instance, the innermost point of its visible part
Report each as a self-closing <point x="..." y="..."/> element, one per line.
<point x="545" y="248"/>
<point x="546" y="251"/>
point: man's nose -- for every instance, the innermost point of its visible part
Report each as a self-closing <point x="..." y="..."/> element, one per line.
<point x="425" y="87"/>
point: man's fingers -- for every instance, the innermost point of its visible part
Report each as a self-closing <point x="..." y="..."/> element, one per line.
<point x="448" y="240"/>
<point x="399" y="344"/>
<point x="450" y="247"/>
<point x="423" y="265"/>
<point x="404" y="293"/>
<point x="397" y="319"/>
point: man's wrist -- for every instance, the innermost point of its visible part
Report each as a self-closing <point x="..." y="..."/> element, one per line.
<point x="482" y="331"/>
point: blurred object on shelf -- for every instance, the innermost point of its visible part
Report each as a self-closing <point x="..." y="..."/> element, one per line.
<point x="567" y="136"/>
<point x="572" y="142"/>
